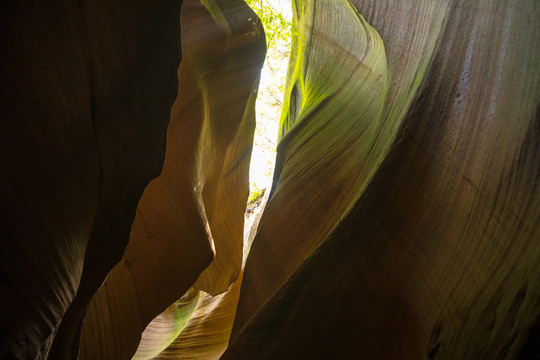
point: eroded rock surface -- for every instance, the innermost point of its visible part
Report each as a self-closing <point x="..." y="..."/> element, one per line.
<point x="439" y="256"/>
<point x="86" y="97"/>
<point x="403" y="221"/>
<point x="197" y="204"/>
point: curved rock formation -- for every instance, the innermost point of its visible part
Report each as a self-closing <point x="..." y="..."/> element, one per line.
<point x="346" y="105"/>
<point x="439" y="257"/>
<point x="329" y="128"/>
<point x="166" y="327"/>
<point x="86" y="97"/>
<point x="404" y="217"/>
<point x="206" y="169"/>
<point x="207" y="333"/>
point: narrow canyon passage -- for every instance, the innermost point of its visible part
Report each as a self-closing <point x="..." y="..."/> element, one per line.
<point x="401" y="219"/>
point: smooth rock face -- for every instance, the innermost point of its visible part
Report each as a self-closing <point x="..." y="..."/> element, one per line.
<point x="201" y="193"/>
<point x="336" y="93"/>
<point x="439" y="257"/>
<point x="86" y="95"/>
<point x="206" y="335"/>
<point x="403" y="222"/>
<point x="337" y="127"/>
<point x="166" y="327"/>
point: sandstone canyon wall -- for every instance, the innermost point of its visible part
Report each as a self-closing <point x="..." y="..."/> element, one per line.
<point x="86" y="97"/>
<point x="439" y="256"/>
<point x="403" y="221"/>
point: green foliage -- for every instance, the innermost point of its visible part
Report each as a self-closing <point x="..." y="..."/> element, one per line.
<point x="256" y="195"/>
<point x="276" y="26"/>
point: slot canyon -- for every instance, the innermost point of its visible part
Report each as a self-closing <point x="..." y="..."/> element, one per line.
<point x="403" y="217"/>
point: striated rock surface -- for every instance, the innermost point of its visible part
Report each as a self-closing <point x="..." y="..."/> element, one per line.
<point x="335" y="130"/>
<point x="438" y="258"/>
<point x="207" y="333"/>
<point x="198" y="201"/>
<point x="85" y="100"/>
<point x="166" y="327"/>
<point x="404" y="217"/>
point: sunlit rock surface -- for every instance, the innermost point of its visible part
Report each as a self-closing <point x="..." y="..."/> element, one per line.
<point x="207" y="333"/>
<point x="404" y="217"/>
<point x="439" y="256"/>
<point x="198" y="201"/>
<point x="332" y="137"/>
<point x="166" y="327"/>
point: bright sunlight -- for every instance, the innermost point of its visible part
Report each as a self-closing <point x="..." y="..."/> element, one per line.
<point x="276" y="16"/>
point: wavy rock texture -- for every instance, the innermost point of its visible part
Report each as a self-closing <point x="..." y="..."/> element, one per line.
<point x="339" y="122"/>
<point x="85" y="99"/>
<point x="207" y="333"/>
<point x="228" y="69"/>
<point x="403" y="222"/>
<point x="166" y="327"/>
<point x="439" y="256"/>
<point x="206" y="171"/>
